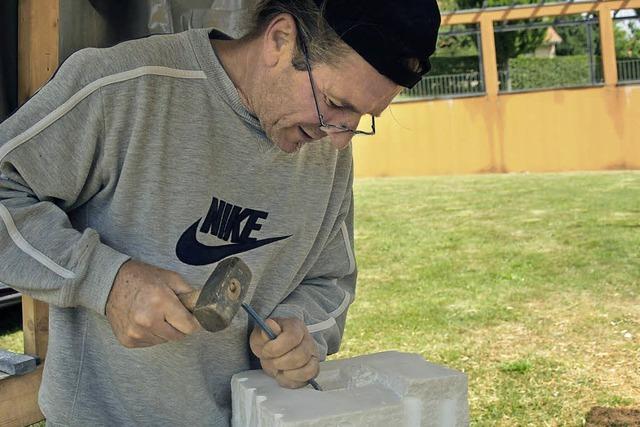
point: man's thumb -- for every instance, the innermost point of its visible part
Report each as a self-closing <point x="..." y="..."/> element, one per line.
<point x="275" y="327"/>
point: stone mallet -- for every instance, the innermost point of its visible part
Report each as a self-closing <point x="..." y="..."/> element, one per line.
<point x="219" y="300"/>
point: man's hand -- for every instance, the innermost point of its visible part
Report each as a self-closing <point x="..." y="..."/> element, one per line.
<point x="143" y="308"/>
<point x="291" y="357"/>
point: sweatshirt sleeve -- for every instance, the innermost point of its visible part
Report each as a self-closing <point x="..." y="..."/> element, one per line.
<point x="52" y="160"/>
<point x="324" y="296"/>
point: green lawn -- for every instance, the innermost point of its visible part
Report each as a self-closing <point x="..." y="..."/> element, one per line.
<point x="528" y="283"/>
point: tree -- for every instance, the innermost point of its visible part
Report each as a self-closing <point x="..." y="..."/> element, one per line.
<point x="627" y="37"/>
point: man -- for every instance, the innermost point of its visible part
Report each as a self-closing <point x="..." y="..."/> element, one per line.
<point x="137" y="168"/>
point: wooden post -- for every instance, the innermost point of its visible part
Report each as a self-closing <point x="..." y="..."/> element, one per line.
<point x="38" y="53"/>
<point x="489" y="64"/>
<point x="607" y="45"/>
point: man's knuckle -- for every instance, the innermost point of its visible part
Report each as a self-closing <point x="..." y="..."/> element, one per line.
<point x="142" y="319"/>
<point x="134" y="334"/>
<point x="155" y="299"/>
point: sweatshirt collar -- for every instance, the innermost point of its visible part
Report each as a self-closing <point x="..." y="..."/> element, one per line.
<point x="217" y="77"/>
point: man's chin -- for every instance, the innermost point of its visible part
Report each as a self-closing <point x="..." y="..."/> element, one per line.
<point x="288" y="147"/>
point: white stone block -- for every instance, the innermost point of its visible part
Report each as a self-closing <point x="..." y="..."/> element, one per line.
<point x="389" y="389"/>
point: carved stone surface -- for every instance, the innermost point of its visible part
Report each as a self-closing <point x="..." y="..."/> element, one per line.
<point x="385" y="389"/>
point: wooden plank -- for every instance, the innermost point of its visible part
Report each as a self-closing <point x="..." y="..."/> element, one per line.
<point x="38" y="50"/>
<point x="533" y="11"/>
<point x="607" y="45"/>
<point x="19" y="399"/>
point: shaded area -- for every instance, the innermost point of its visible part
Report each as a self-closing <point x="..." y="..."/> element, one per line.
<point x="10" y="319"/>
<point x="599" y="416"/>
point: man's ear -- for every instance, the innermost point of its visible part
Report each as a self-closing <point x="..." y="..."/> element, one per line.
<point x="279" y="40"/>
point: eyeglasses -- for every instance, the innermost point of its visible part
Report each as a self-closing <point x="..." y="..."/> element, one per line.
<point x="324" y="126"/>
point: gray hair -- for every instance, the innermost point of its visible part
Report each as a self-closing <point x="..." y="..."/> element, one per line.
<point x="323" y="44"/>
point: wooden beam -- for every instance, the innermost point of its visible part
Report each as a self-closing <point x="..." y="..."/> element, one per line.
<point x="607" y="45"/>
<point x="19" y="399"/>
<point x="533" y="11"/>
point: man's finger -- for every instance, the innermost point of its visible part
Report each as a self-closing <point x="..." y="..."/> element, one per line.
<point x="284" y="381"/>
<point x="294" y="359"/>
<point x="302" y="374"/>
<point x="148" y="341"/>
<point x="290" y="337"/>
<point x="180" y="318"/>
<point x="268" y="367"/>
<point x="178" y="285"/>
<point x="167" y="332"/>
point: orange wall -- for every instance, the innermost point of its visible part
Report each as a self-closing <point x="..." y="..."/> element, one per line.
<point x="556" y="130"/>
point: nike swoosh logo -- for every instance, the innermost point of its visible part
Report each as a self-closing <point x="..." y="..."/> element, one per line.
<point x="192" y="252"/>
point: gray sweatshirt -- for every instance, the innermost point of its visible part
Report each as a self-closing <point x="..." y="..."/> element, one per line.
<point x="144" y="150"/>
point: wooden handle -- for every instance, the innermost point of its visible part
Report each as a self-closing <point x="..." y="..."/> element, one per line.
<point x="189" y="299"/>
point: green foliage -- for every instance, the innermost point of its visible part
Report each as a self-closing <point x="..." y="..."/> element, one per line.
<point x="518" y="366"/>
<point x="575" y="39"/>
<point x="529" y="72"/>
<point x="457" y="45"/>
<point x="454" y="65"/>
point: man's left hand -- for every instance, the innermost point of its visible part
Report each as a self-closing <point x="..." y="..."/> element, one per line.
<point x="290" y="358"/>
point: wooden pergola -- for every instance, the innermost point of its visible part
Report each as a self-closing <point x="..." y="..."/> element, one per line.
<point x="39" y="56"/>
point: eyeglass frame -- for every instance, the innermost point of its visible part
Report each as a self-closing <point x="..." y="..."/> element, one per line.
<point x="324" y="125"/>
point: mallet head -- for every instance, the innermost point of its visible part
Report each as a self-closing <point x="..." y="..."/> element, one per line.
<point x="219" y="300"/>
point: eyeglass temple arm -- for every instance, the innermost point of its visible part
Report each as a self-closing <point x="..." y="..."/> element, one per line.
<point x="305" y="53"/>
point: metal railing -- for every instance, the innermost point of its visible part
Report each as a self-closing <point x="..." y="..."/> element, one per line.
<point x="629" y="70"/>
<point x="446" y="85"/>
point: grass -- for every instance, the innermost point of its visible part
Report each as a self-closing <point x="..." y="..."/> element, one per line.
<point x="528" y="283"/>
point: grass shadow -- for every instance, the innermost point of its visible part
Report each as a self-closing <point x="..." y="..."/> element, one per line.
<point x="10" y="320"/>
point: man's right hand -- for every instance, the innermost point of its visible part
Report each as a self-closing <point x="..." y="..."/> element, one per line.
<point x="143" y="307"/>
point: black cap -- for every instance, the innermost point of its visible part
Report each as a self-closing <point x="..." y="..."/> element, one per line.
<point x="389" y="35"/>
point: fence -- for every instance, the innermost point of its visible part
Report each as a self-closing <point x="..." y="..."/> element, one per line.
<point x="598" y="21"/>
<point x="629" y="70"/>
<point x="450" y="85"/>
<point x="447" y="85"/>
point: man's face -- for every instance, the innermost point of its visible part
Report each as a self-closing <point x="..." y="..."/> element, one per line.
<point x="345" y="91"/>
